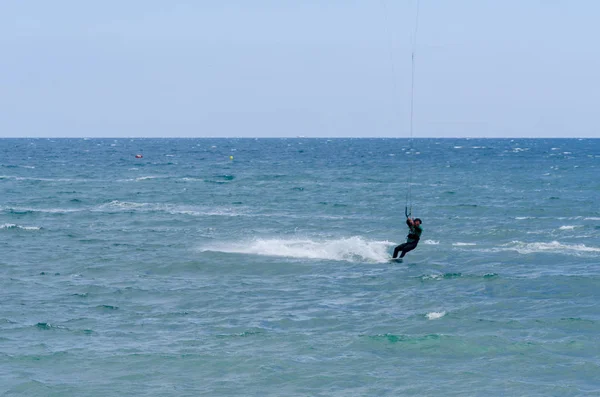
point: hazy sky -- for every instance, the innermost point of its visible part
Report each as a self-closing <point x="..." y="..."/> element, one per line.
<point x="327" y="68"/>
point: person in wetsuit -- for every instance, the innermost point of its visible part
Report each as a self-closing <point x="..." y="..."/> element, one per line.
<point x="412" y="240"/>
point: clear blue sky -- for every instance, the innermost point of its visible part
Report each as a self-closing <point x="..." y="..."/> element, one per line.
<point x="276" y="68"/>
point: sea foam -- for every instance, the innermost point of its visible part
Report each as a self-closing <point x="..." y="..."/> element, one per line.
<point x="353" y="249"/>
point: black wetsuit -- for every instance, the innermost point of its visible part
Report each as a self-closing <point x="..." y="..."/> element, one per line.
<point x="412" y="240"/>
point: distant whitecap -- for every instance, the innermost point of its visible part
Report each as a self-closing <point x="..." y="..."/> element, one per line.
<point x="435" y="315"/>
<point x="14" y="226"/>
<point x="567" y="227"/>
<point x="553" y="246"/>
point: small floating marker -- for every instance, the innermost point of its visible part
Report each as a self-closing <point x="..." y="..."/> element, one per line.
<point x="230" y="157"/>
<point x="138" y="156"/>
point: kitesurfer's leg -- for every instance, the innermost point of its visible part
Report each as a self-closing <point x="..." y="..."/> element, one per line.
<point x="406" y="247"/>
<point x="398" y="249"/>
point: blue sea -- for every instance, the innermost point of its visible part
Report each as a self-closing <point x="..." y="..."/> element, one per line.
<point x="260" y="267"/>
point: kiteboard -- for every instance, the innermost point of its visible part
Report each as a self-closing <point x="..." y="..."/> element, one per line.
<point x="397" y="260"/>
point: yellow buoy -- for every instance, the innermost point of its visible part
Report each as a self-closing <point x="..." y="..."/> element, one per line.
<point x="230" y="157"/>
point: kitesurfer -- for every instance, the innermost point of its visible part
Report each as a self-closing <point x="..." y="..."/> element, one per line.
<point x="412" y="240"/>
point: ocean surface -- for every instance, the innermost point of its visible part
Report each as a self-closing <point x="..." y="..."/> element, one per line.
<point x="254" y="267"/>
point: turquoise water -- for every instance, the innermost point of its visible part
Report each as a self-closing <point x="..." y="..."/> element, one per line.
<point x="187" y="273"/>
